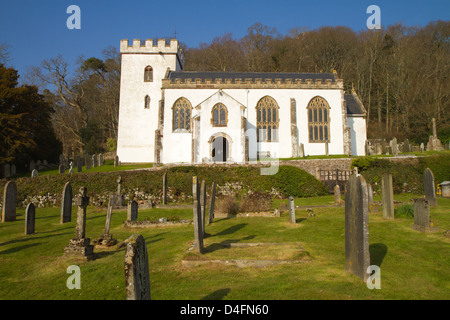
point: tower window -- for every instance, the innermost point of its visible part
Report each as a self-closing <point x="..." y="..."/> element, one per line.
<point x="147" y="102"/>
<point x="148" y="74"/>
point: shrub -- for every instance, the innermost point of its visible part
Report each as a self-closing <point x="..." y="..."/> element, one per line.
<point x="405" y="211"/>
<point x="226" y="204"/>
<point x="255" y="202"/>
<point x="362" y="163"/>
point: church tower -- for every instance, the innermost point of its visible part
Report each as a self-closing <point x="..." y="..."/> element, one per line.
<point x="141" y="105"/>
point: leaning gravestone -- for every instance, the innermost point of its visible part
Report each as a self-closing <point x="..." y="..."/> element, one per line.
<point x="106" y="239"/>
<point x="291" y="210"/>
<point x="357" y="256"/>
<point x="429" y="187"/>
<point x="132" y="211"/>
<point x="387" y="196"/>
<point x="422" y="216"/>
<point x="9" y="202"/>
<point x="66" y="203"/>
<point x="137" y="277"/>
<point x="198" y="229"/>
<point x="30" y="215"/>
<point x="212" y="203"/>
<point x="80" y="246"/>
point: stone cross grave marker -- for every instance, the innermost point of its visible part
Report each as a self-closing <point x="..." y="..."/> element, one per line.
<point x="429" y="187"/>
<point x="80" y="246"/>
<point x="357" y="256"/>
<point x="106" y="239"/>
<point x="291" y="210"/>
<point x="198" y="231"/>
<point x="132" y="211"/>
<point x="66" y="203"/>
<point x="137" y="276"/>
<point x="30" y="216"/>
<point x="387" y="196"/>
<point x="212" y="202"/>
<point x="9" y="202"/>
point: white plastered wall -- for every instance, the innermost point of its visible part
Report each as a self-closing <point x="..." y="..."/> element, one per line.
<point x="358" y="134"/>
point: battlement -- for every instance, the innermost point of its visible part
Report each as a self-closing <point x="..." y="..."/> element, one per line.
<point x="149" y="46"/>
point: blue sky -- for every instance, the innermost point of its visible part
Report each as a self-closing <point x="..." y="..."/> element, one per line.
<point x="36" y="30"/>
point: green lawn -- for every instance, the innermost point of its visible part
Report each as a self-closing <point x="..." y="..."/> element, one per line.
<point x="413" y="265"/>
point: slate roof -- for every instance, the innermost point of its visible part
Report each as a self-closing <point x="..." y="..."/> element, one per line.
<point x="353" y="106"/>
<point x="249" y="75"/>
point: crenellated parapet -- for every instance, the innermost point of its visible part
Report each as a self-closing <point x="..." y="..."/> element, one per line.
<point x="149" y="46"/>
<point x="251" y="83"/>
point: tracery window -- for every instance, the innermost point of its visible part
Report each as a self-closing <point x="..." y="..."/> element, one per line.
<point x="219" y="115"/>
<point x="182" y="114"/>
<point x="147" y="102"/>
<point x="267" y="119"/>
<point x="148" y="74"/>
<point x="318" y="120"/>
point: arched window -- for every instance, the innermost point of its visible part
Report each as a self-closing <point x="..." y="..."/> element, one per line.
<point x="219" y="115"/>
<point x="147" y="102"/>
<point x="182" y="114"/>
<point x="267" y="119"/>
<point x="318" y="120"/>
<point x="148" y="74"/>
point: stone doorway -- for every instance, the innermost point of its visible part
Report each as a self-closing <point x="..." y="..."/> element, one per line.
<point x="220" y="149"/>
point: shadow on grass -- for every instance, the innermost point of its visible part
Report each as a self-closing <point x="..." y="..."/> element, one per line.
<point x="32" y="237"/>
<point x="223" y="245"/>
<point x="231" y="229"/>
<point x="299" y="220"/>
<point x="16" y="249"/>
<point x="377" y="253"/>
<point x="217" y="295"/>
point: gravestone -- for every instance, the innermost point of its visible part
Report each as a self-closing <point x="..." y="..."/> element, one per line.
<point x="116" y="161"/>
<point x="32" y="166"/>
<point x="337" y="194"/>
<point x="429" y="187"/>
<point x="13" y="170"/>
<point x="94" y="161"/>
<point x="203" y="204"/>
<point x="71" y="167"/>
<point x="9" y="202"/>
<point x="39" y="165"/>
<point x="301" y="151"/>
<point x="422" y="147"/>
<point x="34" y="173"/>
<point x="406" y="146"/>
<point x="87" y="161"/>
<point x="100" y="159"/>
<point x="387" y="196"/>
<point x="212" y="202"/>
<point x="291" y="210"/>
<point x="79" y="162"/>
<point x="66" y="203"/>
<point x="164" y="195"/>
<point x="367" y="148"/>
<point x="30" y="216"/>
<point x="137" y="277"/>
<point x="370" y="195"/>
<point x="445" y="189"/>
<point x="117" y="199"/>
<point x="80" y="246"/>
<point x="106" y="239"/>
<point x="61" y="168"/>
<point x="132" y="211"/>
<point x="198" y="229"/>
<point x="394" y="146"/>
<point x="357" y="256"/>
<point x="422" y="216"/>
<point x="6" y="171"/>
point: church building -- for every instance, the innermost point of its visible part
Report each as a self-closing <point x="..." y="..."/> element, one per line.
<point x="168" y="115"/>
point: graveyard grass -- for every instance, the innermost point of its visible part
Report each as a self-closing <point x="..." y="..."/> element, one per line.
<point x="413" y="265"/>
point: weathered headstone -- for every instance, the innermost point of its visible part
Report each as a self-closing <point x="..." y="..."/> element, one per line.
<point x="116" y="161"/>
<point x="66" y="203"/>
<point x="387" y="196"/>
<point x="30" y="216"/>
<point x="117" y="199"/>
<point x="80" y="246"/>
<point x="6" y="171"/>
<point x="422" y="216"/>
<point x="79" y="162"/>
<point x="212" y="202"/>
<point x="422" y="147"/>
<point x="13" y="170"/>
<point x="291" y="210"/>
<point x="137" y="276"/>
<point x="94" y="161"/>
<point x="132" y="211"/>
<point x="357" y="256"/>
<point x="106" y="239"/>
<point x="406" y="146"/>
<point x="445" y="189"/>
<point x="367" y="148"/>
<point x="71" y="167"/>
<point x="301" y="151"/>
<point x="61" y="168"/>
<point x="394" y="146"/>
<point x="87" y="161"/>
<point x="100" y="160"/>
<point x="337" y="194"/>
<point x="370" y="195"/>
<point x="429" y="187"/>
<point x="9" y="202"/>
<point x="198" y="229"/>
<point x="34" y="173"/>
<point x="203" y="204"/>
<point x="164" y="190"/>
